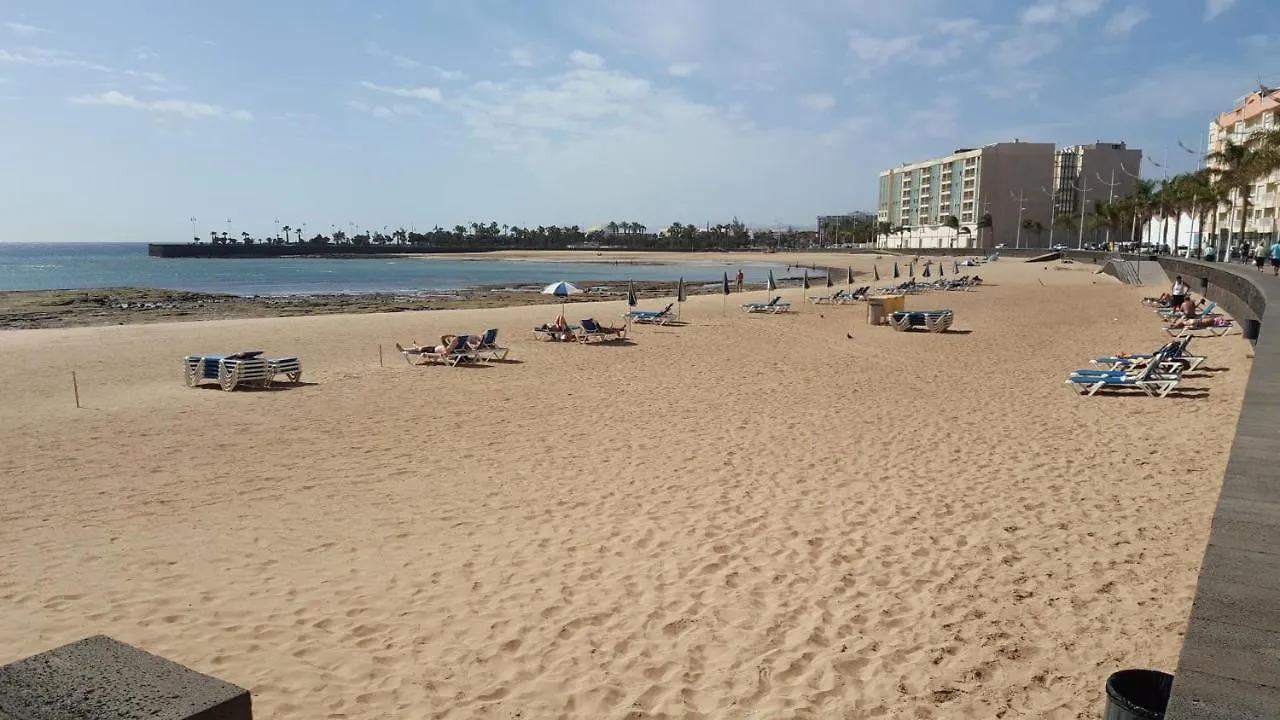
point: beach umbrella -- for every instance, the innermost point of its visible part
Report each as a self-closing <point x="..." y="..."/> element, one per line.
<point x="724" y="302"/>
<point x="631" y="293"/>
<point x="679" y="297"/>
<point x="561" y="289"/>
<point x="849" y="281"/>
<point x="911" y="270"/>
<point x="875" y="272"/>
<point x="806" y="279"/>
<point x="725" y="287"/>
<point x="896" y="274"/>
<point x="955" y="266"/>
<point x="830" y="281"/>
<point x="773" y="285"/>
<point x="941" y="269"/>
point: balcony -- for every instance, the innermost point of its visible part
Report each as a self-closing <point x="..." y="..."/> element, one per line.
<point x="1264" y="200"/>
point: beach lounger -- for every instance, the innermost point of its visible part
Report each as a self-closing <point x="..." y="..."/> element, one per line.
<point x="773" y="306"/>
<point x="488" y="346"/>
<point x="290" y="367"/>
<point x="1221" y="326"/>
<point x="1175" y="314"/>
<point x="1174" y="352"/>
<point x="460" y="351"/>
<point x="591" y="330"/>
<point x="932" y="320"/>
<point x="229" y="371"/>
<point x="652" y="317"/>
<point x="827" y="299"/>
<point x="1150" y="380"/>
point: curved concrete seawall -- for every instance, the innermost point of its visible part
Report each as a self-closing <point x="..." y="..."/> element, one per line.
<point x="1229" y="666"/>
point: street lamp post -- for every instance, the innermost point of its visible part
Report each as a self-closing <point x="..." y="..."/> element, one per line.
<point x="1017" y="240"/>
<point x="1111" y="194"/>
<point x="1084" y="194"/>
<point x="195" y="235"/>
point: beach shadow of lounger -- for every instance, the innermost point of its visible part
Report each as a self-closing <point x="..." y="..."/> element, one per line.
<point x="274" y="387"/>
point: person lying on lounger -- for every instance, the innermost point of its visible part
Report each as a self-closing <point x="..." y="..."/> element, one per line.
<point x="1162" y="301"/>
<point x="448" y="344"/>
<point x="606" y="329"/>
<point x="1199" y="323"/>
<point x="559" y="329"/>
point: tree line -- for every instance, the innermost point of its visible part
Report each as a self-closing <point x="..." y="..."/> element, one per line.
<point x="488" y="236"/>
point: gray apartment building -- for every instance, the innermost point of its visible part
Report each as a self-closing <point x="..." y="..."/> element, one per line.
<point x="1013" y="182"/>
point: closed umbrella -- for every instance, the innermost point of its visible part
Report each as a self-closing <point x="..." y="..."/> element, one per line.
<point x="561" y="289"/>
<point x="941" y="270"/>
<point x="911" y="270"/>
<point x="830" y="281"/>
<point x="724" y="303"/>
<point x="955" y="266"/>
<point x="896" y="274"/>
<point x="631" y="301"/>
<point x="773" y="285"/>
<point x="875" y="272"/>
<point x="679" y="297"/>
<point x="849" y="281"/>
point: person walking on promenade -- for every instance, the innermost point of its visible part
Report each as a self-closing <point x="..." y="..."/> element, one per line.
<point x="1275" y="257"/>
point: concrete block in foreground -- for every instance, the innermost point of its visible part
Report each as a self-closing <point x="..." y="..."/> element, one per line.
<point x="98" y="678"/>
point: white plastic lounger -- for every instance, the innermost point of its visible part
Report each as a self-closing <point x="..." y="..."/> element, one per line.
<point x="290" y="367"/>
<point x="229" y="371"/>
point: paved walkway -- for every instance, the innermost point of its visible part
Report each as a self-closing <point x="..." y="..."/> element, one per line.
<point x="1230" y="661"/>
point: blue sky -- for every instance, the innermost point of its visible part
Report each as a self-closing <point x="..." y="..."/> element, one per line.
<point x="121" y="120"/>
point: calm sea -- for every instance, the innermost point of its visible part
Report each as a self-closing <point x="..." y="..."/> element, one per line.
<point x="55" y="266"/>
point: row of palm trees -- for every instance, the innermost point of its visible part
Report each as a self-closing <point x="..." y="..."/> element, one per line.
<point x="679" y="236"/>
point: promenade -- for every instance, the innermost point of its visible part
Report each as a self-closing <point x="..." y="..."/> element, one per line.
<point x="1229" y="666"/>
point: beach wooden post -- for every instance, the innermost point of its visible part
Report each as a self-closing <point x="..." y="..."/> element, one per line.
<point x="75" y="387"/>
<point x="380" y="355"/>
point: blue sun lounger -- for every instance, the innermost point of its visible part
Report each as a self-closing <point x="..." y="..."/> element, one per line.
<point x="1174" y="351"/>
<point x="773" y="306"/>
<point x="1151" y="380"/>
<point x="653" y="317"/>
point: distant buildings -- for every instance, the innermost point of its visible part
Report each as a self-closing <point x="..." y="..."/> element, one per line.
<point x="1256" y="111"/>
<point x="1020" y="186"/>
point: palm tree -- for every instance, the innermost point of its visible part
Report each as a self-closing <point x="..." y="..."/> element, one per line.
<point x="1237" y="166"/>
<point x="953" y="222"/>
<point x="612" y="227"/>
<point x="985" y="222"/>
<point x="1066" y="222"/>
<point x="286" y="229"/>
<point x="1205" y="195"/>
<point x="1029" y="225"/>
<point x="1037" y="227"/>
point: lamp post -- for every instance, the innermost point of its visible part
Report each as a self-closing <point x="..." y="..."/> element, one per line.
<point x="1111" y="194"/>
<point x="1053" y="212"/>
<point x="1017" y="241"/>
<point x="195" y="236"/>
<point x="1084" y="194"/>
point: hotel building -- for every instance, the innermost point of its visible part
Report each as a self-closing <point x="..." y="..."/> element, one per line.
<point x="1008" y="181"/>
<point x="1084" y="174"/>
<point x="1259" y="110"/>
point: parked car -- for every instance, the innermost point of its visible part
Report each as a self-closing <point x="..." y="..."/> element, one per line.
<point x="1060" y="247"/>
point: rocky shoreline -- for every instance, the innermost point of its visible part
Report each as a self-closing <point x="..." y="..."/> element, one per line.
<point x="33" y="309"/>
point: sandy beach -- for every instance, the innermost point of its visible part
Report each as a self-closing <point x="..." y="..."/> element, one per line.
<point x="743" y="516"/>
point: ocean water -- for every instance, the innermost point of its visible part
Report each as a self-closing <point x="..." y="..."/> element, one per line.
<point x="56" y="266"/>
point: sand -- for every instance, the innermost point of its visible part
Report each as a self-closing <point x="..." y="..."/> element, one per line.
<point x="742" y="517"/>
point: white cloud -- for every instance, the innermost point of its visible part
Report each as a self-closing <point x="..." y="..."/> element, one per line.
<point x="1018" y="50"/>
<point x="1123" y="22"/>
<point x="177" y="107"/>
<point x="418" y="93"/>
<point x="51" y="58"/>
<point x="1214" y="8"/>
<point x="21" y="29"/>
<point x="1060" y="11"/>
<point x="586" y="60"/>
<point x="682" y="69"/>
<point x="520" y="57"/>
<point x="944" y="41"/>
<point x="818" y="101"/>
<point x="448" y="74"/>
<point x="384" y="112"/>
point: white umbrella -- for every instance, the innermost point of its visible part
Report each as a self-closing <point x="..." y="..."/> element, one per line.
<point x="561" y="290"/>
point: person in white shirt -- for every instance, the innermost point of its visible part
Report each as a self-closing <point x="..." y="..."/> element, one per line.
<point x="1179" y="293"/>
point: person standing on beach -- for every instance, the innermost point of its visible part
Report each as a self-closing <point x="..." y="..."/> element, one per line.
<point x="1179" y="292"/>
<point x="739" y="279"/>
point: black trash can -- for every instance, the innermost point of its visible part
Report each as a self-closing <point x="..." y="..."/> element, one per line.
<point x="1138" y="695"/>
<point x="1250" y="329"/>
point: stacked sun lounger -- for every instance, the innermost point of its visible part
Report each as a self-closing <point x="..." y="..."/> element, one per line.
<point x="242" y="368"/>
<point x="932" y="320"/>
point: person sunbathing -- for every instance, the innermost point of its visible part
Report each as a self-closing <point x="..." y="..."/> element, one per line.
<point x="559" y="329"/>
<point x="1199" y="323"/>
<point x="606" y="329"/>
<point x="1162" y="301"/>
<point x="448" y="344"/>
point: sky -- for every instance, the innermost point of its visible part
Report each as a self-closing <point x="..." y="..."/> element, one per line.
<point x="121" y="121"/>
